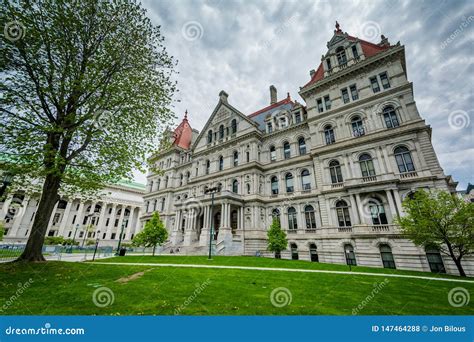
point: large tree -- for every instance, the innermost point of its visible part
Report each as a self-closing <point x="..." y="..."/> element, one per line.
<point x="153" y="234"/>
<point x="84" y="88"/>
<point x="441" y="220"/>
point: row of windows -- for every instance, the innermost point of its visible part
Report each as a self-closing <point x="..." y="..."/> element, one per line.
<point x="402" y="157"/>
<point x="390" y="119"/>
<point x="282" y="121"/>
<point x="324" y="103"/>
<point x="155" y="205"/>
<point x="289" y="182"/>
<point x="219" y="135"/>
<point x="310" y="218"/>
<point x="287" y="149"/>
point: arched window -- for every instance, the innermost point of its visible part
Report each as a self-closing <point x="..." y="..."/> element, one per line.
<point x="305" y="180"/>
<point x="221" y="132"/>
<point x="329" y="135"/>
<point x="62" y="204"/>
<point x="313" y="252"/>
<point x="357" y="127"/>
<point x="366" y="165"/>
<point x="390" y="117"/>
<point x="309" y="217"/>
<point x="208" y="166"/>
<point x="289" y="182"/>
<point x="248" y="189"/>
<point x="236" y="158"/>
<point x="434" y="259"/>
<point x="188" y="175"/>
<point x="158" y="182"/>
<point x="274" y="185"/>
<point x="292" y="221"/>
<point x="343" y="217"/>
<point x="341" y="55"/>
<point x="166" y="182"/>
<point x="221" y="163"/>
<point x="181" y="177"/>
<point x="350" y="255"/>
<point x="151" y="189"/>
<point x="294" y="251"/>
<point x="154" y="205"/>
<point x="335" y="171"/>
<point x="209" y="136"/>
<point x="273" y="155"/>
<point x="377" y="212"/>
<point x="233" y="126"/>
<point x="404" y="160"/>
<point x="235" y="186"/>
<point x="302" y="146"/>
<point x="286" y="150"/>
<point x="247" y="156"/>
<point x="162" y="204"/>
<point x="387" y="256"/>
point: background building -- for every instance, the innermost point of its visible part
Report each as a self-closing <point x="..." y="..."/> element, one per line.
<point x="119" y="205"/>
<point x="335" y="170"/>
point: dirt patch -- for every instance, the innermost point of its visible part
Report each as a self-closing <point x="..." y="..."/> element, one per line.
<point x="134" y="276"/>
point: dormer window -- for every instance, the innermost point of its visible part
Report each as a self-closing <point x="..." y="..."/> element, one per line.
<point x="320" y="105"/>
<point x="269" y="127"/>
<point x="354" y="51"/>
<point x="341" y="55"/>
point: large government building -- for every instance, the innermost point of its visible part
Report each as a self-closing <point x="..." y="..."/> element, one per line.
<point x="115" y="212"/>
<point x="335" y="170"/>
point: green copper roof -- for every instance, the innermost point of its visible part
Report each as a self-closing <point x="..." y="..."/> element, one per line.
<point x="134" y="185"/>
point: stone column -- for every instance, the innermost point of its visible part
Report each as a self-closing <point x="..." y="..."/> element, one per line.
<point x="204" y="237"/>
<point x="20" y="213"/>
<point x="225" y="232"/>
<point x="393" y="210"/>
<point x="65" y="218"/>
<point x="360" y="212"/>
<point x="398" y="202"/>
<point x="176" y="235"/>
<point x="119" y="227"/>
<point x="380" y="160"/>
<point x="110" y="227"/>
<point x="101" y="223"/>
<point x="131" y="223"/>
<point x="387" y="160"/>
<point x="319" y="221"/>
<point x="5" y="207"/>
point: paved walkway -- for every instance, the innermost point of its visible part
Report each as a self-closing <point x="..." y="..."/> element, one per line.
<point x="284" y="270"/>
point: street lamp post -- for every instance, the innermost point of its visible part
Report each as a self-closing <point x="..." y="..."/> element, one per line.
<point x="212" y="191"/>
<point x="96" y="244"/>
<point x="120" y="237"/>
<point x="7" y="180"/>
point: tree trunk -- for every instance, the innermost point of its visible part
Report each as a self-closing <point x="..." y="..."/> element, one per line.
<point x="49" y="197"/>
<point x="457" y="261"/>
<point x="154" y="247"/>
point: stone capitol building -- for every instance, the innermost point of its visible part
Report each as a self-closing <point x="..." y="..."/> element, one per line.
<point x="334" y="170"/>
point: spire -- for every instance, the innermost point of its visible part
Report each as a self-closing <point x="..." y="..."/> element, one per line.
<point x="338" y="27"/>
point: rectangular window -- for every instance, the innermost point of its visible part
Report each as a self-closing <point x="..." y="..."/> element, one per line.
<point x="84" y="220"/>
<point x="375" y="84"/>
<point x="74" y="219"/>
<point x="116" y="222"/>
<point x="77" y="208"/>
<point x="297" y="118"/>
<point x="320" y="105"/>
<point x="270" y="127"/>
<point x="354" y="93"/>
<point x="345" y="95"/>
<point x="328" y="62"/>
<point x="327" y="102"/>
<point x="384" y="80"/>
<point x="107" y="222"/>
<point x="112" y="236"/>
<point x="354" y="51"/>
<point x="110" y="210"/>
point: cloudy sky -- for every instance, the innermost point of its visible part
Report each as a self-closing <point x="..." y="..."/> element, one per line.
<point x="244" y="46"/>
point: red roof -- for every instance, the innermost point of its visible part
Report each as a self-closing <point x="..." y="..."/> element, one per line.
<point x="183" y="134"/>
<point x="274" y="105"/>
<point x="369" y="49"/>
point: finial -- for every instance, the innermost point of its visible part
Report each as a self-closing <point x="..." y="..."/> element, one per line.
<point x="186" y="114"/>
<point x="338" y="29"/>
<point x="288" y="95"/>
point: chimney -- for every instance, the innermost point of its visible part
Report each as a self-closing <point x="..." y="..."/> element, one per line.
<point x="223" y="96"/>
<point x="273" y="94"/>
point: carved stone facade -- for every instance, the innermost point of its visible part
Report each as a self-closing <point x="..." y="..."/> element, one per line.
<point x="335" y="170"/>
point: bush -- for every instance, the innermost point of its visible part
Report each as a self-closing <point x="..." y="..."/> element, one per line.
<point x="54" y="240"/>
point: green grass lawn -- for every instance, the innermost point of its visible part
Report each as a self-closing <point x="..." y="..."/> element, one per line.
<point x="61" y="288"/>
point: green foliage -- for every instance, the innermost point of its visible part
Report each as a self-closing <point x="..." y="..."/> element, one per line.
<point x="441" y="220"/>
<point x="277" y="241"/>
<point x="70" y="242"/>
<point x="54" y="240"/>
<point x="83" y="93"/>
<point x="90" y="242"/>
<point x="2" y="231"/>
<point x="154" y="233"/>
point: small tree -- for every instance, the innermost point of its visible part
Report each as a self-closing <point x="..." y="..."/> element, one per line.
<point x="441" y="220"/>
<point x="154" y="233"/>
<point x="277" y="241"/>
